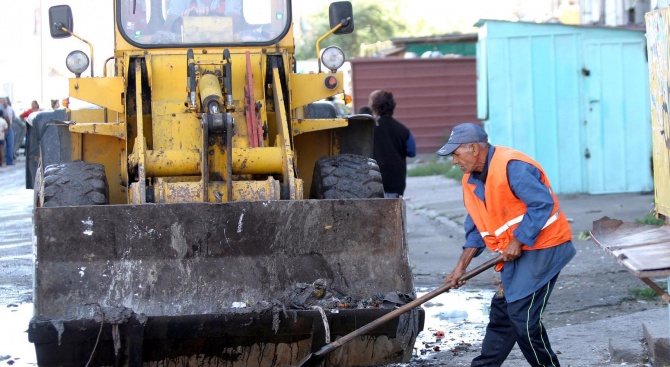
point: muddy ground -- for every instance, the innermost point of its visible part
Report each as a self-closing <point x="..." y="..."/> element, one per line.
<point x="593" y="287"/>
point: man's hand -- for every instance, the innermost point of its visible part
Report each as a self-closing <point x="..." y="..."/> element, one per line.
<point x="512" y="251"/>
<point x="461" y="267"/>
<point x="452" y="279"/>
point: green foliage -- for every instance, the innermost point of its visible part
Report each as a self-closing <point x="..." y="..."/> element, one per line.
<point x="428" y="169"/>
<point x="455" y="173"/>
<point x="372" y="23"/>
<point x="645" y="293"/>
<point x="584" y="235"/>
<point x="651" y="219"/>
<point x="433" y="168"/>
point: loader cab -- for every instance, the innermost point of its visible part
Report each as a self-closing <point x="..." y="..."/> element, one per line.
<point x="159" y="24"/>
<point x="177" y="23"/>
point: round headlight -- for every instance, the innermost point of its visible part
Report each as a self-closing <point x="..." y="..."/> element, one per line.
<point x="332" y="57"/>
<point x="77" y="62"/>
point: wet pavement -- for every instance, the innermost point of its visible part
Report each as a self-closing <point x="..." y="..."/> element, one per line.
<point x="15" y="266"/>
<point x="16" y="239"/>
<point x="454" y="320"/>
<point x="15" y="350"/>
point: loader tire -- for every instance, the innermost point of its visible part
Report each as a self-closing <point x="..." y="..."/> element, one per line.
<point x="74" y="184"/>
<point x="346" y="176"/>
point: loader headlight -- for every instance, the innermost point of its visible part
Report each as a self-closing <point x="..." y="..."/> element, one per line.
<point x="77" y="62"/>
<point x="332" y="58"/>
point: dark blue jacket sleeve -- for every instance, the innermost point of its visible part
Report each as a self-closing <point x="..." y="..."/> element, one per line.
<point x="524" y="179"/>
<point x="473" y="239"/>
<point x="411" y="146"/>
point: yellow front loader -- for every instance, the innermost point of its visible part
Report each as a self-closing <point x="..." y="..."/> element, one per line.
<point x="209" y="212"/>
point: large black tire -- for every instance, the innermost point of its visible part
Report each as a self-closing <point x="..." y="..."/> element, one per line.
<point x="74" y="184"/>
<point x="346" y="176"/>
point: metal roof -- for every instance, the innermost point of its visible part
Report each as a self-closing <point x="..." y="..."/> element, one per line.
<point x="432" y="95"/>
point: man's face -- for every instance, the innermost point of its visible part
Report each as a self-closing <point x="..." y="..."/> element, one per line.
<point x="467" y="157"/>
<point x="3" y="101"/>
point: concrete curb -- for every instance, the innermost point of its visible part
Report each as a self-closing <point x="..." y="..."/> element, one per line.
<point x="656" y="334"/>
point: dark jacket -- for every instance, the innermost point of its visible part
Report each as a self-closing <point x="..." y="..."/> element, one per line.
<point x="390" y="152"/>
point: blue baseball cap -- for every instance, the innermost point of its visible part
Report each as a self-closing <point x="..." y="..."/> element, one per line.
<point x="463" y="134"/>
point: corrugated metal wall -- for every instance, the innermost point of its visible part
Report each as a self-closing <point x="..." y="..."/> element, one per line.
<point x="574" y="98"/>
<point x="432" y="95"/>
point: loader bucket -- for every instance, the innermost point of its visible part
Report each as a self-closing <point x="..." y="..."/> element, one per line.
<point x="232" y="284"/>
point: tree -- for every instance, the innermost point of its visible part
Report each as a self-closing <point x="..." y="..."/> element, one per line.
<point x="372" y="22"/>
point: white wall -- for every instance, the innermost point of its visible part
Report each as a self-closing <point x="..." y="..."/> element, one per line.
<point x="32" y="66"/>
<point x="614" y="12"/>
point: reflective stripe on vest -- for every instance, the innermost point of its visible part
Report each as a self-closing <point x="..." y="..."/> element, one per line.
<point x="518" y="219"/>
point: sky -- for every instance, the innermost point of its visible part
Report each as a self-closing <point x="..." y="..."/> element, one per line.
<point x="25" y="76"/>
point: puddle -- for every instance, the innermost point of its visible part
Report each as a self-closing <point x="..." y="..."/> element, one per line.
<point x="453" y="319"/>
<point x="15" y="349"/>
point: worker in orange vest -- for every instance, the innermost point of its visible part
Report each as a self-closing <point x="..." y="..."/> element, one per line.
<point x="511" y="210"/>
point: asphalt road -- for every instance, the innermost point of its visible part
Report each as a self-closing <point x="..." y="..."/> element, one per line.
<point x="16" y="236"/>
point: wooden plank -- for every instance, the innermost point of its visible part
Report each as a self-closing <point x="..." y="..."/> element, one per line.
<point x="642" y="249"/>
<point x="645" y="258"/>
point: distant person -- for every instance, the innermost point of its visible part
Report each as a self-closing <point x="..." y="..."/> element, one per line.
<point x="19" y="127"/>
<point x="55" y="104"/>
<point x="393" y="144"/>
<point x="182" y="8"/>
<point x="365" y="110"/>
<point x="34" y="107"/>
<point x="27" y="117"/>
<point x="3" y="130"/>
<point x="9" y="135"/>
<point x="512" y="210"/>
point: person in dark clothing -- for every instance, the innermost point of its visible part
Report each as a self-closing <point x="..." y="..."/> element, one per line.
<point x="393" y="144"/>
<point x="365" y="110"/>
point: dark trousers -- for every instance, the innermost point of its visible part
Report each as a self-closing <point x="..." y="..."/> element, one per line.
<point x="9" y="147"/>
<point x="518" y="322"/>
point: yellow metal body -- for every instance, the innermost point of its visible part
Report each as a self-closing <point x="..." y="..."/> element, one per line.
<point x="155" y="143"/>
<point x="102" y="143"/>
<point x="658" y="31"/>
<point x="106" y="92"/>
<point x="210" y="150"/>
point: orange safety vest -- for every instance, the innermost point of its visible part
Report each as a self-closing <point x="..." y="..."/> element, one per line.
<point x="497" y="219"/>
